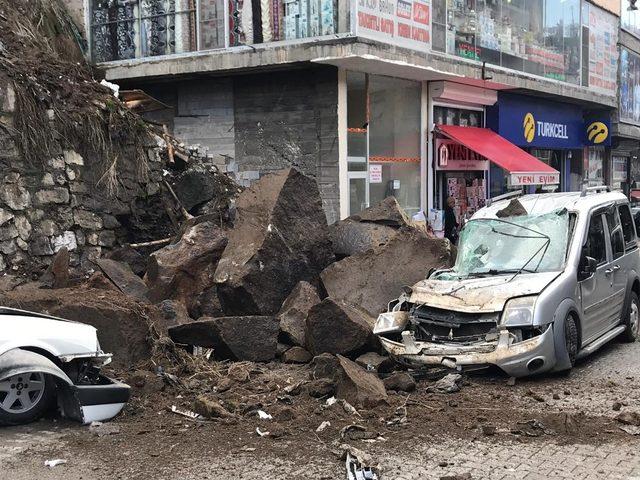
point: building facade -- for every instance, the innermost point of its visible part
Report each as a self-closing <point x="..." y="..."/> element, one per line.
<point x="362" y="94"/>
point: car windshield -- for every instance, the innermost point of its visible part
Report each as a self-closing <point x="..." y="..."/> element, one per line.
<point x="527" y="243"/>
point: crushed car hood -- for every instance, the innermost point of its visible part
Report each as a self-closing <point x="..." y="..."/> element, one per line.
<point x="487" y="294"/>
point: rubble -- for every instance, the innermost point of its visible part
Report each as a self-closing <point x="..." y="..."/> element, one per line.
<point x="294" y="311"/>
<point x="280" y="237"/>
<point x="251" y="338"/>
<point x="371" y="361"/>
<point x="209" y="407"/>
<point x="136" y="261"/>
<point x="629" y="418"/>
<point x="296" y="355"/>
<point x="357" y="386"/>
<point x="388" y="212"/>
<point x="335" y="327"/>
<point x="448" y="384"/>
<point x="324" y="366"/>
<point x="173" y="313"/>
<point x="123" y="277"/>
<point x="184" y="270"/>
<point x="400" y="382"/>
<point x="198" y="185"/>
<point x="57" y="274"/>
<point x="373" y="278"/>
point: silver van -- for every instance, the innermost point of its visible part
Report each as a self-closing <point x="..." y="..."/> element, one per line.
<point x="539" y="281"/>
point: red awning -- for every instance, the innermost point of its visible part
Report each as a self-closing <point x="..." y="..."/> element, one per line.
<point x="524" y="169"/>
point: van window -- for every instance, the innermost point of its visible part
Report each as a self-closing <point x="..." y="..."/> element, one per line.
<point x="617" y="243"/>
<point x="627" y="225"/>
<point x="595" y="246"/>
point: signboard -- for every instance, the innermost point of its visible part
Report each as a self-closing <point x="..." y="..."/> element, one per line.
<point x="375" y="173"/>
<point x="603" y="51"/>
<point x="534" y="122"/>
<point x="629" y="86"/>
<point x="406" y="23"/>
<point x="597" y="129"/>
<point x="454" y="156"/>
<point x="521" y="179"/>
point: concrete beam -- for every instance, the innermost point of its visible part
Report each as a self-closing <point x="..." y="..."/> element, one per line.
<point x="435" y="66"/>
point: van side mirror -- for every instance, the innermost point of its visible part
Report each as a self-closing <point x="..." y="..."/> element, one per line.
<point x="588" y="266"/>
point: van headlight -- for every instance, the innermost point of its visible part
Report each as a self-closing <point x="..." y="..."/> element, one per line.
<point x="518" y="312"/>
<point x="390" y="322"/>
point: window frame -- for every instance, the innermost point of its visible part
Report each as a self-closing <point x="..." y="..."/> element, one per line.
<point x="633" y="243"/>
<point x="599" y="212"/>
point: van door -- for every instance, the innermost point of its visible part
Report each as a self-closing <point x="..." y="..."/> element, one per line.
<point x="618" y="268"/>
<point x="596" y="290"/>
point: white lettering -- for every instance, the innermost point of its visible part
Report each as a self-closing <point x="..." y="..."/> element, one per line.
<point x="552" y="130"/>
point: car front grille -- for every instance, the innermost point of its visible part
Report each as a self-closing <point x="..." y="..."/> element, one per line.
<point x="446" y="326"/>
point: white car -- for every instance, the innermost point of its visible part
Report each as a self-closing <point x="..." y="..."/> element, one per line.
<point x="44" y="359"/>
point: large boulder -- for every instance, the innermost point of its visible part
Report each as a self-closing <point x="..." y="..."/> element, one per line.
<point x="357" y="386"/>
<point x="336" y="327"/>
<point x="350" y="237"/>
<point x="121" y="321"/>
<point x="232" y="338"/>
<point x="183" y="270"/>
<point x="294" y="311"/>
<point x="123" y="277"/>
<point x="136" y="261"/>
<point x="373" y="278"/>
<point x="280" y="238"/>
<point x="388" y="212"/>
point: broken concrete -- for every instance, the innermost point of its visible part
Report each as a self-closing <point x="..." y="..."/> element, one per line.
<point x="357" y="386"/>
<point x="123" y="277"/>
<point x="183" y="270"/>
<point x="234" y="338"/>
<point x="280" y="238"/>
<point x="294" y="311"/>
<point x="335" y="327"/>
<point x="372" y="279"/>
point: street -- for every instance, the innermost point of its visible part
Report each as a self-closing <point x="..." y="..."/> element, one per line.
<point x="577" y="438"/>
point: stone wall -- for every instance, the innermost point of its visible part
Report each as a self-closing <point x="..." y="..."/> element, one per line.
<point x="60" y="202"/>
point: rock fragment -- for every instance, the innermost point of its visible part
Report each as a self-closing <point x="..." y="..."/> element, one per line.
<point x="357" y="386"/>
<point x="294" y="311"/>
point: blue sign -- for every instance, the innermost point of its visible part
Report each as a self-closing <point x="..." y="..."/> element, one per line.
<point x="536" y="122"/>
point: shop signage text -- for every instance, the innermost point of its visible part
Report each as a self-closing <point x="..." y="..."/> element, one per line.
<point x="454" y="156"/>
<point x="523" y="179"/>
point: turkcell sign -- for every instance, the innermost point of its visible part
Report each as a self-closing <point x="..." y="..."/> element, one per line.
<point x="535" y="122"/>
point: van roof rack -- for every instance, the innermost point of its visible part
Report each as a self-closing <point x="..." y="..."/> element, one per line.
<point x="504" y="196"/>
<point x="598" y="189"/>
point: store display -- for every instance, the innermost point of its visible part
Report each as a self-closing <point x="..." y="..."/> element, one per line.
<point x="469" y="194"/>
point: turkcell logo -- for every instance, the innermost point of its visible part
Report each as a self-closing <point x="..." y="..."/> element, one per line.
<point x="532" y="128"/>
<point x="597" y="132"/>
<point x="529" y="126"/>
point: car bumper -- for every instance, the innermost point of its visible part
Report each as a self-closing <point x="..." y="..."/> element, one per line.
<point x="516" y="359"/>
<point x="94" y="403"/>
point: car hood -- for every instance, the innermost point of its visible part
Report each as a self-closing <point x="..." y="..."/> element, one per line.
<point x="487" y="294"/>
<point x="57" y="336"/>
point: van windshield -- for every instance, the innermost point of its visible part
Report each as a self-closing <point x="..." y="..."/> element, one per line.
<point x="527" y="243"/>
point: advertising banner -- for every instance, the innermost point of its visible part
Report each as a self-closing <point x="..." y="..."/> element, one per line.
<point x="603" y="51"/>
<point x="405" y="23"/>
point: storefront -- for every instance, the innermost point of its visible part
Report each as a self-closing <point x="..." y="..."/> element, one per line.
<point x="561" y="135"/>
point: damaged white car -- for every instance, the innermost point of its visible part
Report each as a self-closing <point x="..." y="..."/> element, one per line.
<point x="44" y="359"/>
<point x="537" y="284"/>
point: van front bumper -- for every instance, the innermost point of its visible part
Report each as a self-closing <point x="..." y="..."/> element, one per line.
<point x="517" y="359"/>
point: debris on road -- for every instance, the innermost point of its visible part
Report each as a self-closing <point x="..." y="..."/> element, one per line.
<point x="54" y="463"/>
<point x="357" y="471"/>
<point x="629" y="418"/>
<point x="449" y="384"/>
<point x="185" y="413"/>
<point x="323" y="426"/>
<point x="357" y="386"/>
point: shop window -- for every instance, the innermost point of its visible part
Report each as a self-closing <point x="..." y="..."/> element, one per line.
<point x="618" y="171"/>
<point x="541" y="37"/>
<point x="123" y="29"/>
<point x="630" y="19"/>
<point x="595" y="166"/>
<point x="629" y="86"/>
<point x="627" y="226"/>
<point x="357" y="141"/>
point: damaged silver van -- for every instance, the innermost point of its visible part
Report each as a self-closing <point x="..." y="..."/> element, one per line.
<point x="539" y="282"/>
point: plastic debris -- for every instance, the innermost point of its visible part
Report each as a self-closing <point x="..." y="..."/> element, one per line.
<point x="261" y="433"/>
<point x="53" y="463"/>
<point x="357" y="471"/>
<point x="264" y="415"/>
<point x="323" y="426"/>
<point x="185" y="413"/>
<point x="331" y="401"/>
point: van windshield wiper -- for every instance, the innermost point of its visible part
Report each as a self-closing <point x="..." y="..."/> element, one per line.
<point x="494" y="271"/>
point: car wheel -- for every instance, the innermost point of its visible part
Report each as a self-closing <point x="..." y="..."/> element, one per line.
<point x="25" y="397"/>
<point x="571" y="338"/>
<point x="632" y="319"/>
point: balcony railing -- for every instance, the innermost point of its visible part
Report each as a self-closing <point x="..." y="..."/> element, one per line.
<point x="126" y="29"/>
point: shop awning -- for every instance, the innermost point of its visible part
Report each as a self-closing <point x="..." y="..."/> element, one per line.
<point x="523" y="168"/>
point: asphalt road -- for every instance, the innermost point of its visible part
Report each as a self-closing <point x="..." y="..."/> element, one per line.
<point x="596" y="384"/>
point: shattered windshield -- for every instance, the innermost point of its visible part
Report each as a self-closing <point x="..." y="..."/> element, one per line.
<point x="524" y="243"/>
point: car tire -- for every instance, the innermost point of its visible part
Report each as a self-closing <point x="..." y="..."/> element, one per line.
<point x="26" y="397"/>
<point x="571" y="338"/>
<point x="632" y="319"/>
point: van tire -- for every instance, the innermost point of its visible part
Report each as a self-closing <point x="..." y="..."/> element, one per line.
<point x="631" y="319"/>
<point x="571" y="338"/>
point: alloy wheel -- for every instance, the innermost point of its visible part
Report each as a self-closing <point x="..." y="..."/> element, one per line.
<point x="21" y="393"/>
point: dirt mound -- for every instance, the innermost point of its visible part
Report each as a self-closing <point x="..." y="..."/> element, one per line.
<point x="122" y="323"/>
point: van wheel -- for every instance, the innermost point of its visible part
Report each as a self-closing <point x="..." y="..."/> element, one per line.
<point x="571" y="338"/>
<point x="24" y="398"/>
<point x="632" y="319"/>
